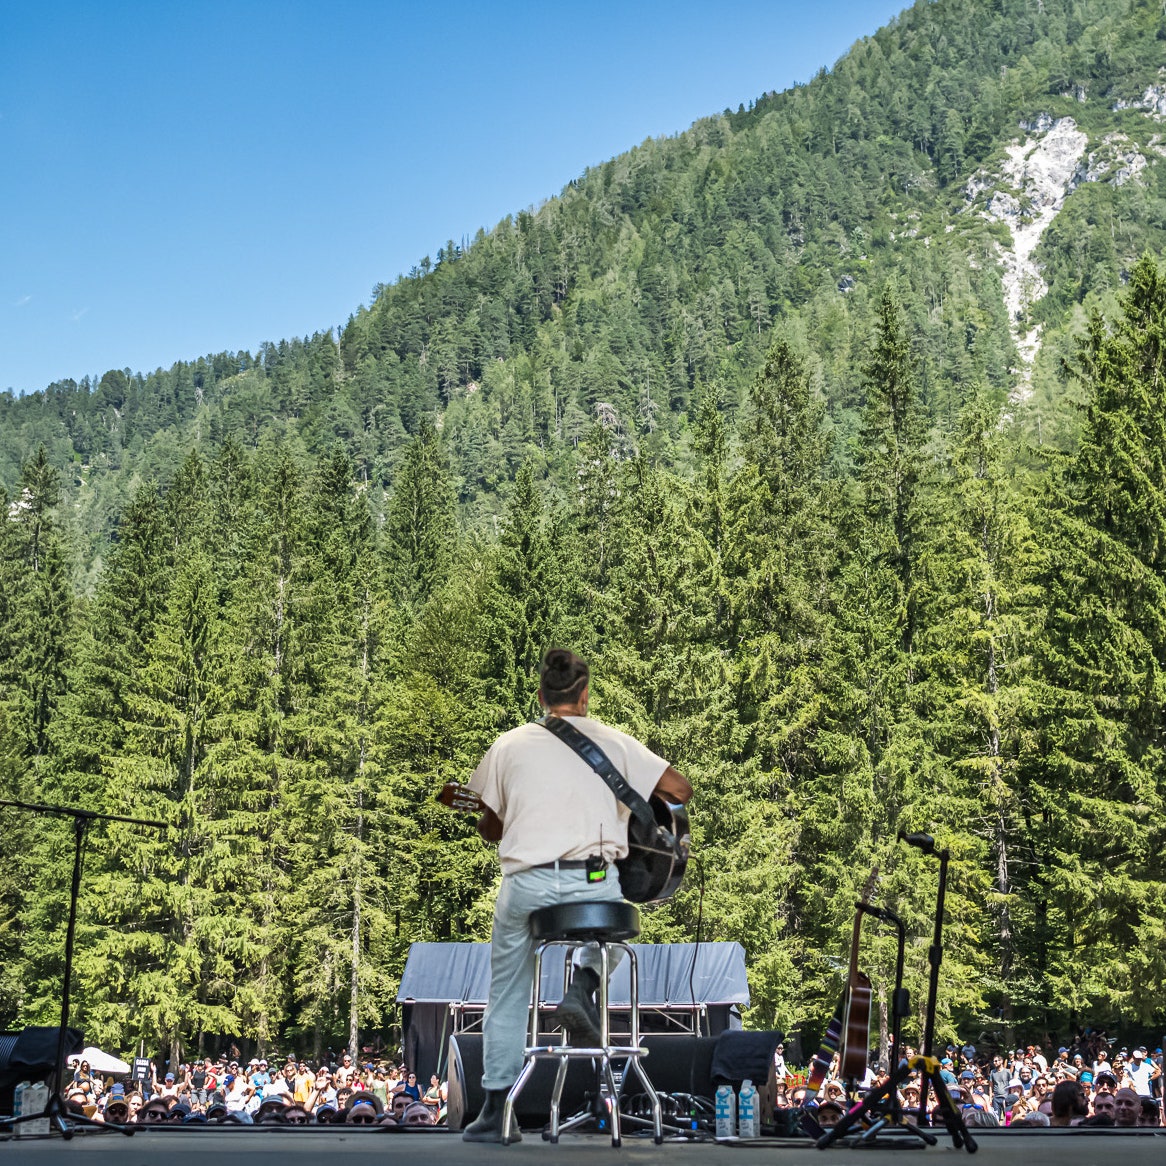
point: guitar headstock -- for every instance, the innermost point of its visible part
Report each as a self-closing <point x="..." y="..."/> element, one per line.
<point x="459" y="797"/>
<point x="871" y="885"/>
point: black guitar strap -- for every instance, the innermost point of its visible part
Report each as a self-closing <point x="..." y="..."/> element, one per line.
<point x="602" y="764"/>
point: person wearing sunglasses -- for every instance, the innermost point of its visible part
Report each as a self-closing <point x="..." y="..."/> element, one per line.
<point x="363" y="1110"/>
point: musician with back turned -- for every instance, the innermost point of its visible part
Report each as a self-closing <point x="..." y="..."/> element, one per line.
<point x="559" y="831"/>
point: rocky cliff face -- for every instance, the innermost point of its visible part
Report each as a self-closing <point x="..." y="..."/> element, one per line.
<point x="1027" y="195"/>
<point x="1028" y="191"/>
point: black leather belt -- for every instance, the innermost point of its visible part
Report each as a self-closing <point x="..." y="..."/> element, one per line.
<point x="562" y="864"/>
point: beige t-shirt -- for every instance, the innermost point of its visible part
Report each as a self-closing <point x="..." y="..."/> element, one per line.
<point x="551" y="802"/>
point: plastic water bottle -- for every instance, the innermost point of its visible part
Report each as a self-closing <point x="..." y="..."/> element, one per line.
<point x="726" y="1110"/>
<point x="28" y="1099"/>
<point x="748" y="1120"/>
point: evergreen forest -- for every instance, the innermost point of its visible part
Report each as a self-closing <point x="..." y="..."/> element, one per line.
<point x="742" y="417"/>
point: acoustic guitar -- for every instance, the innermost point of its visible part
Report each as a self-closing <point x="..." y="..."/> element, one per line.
<point x="650" y="873"/>
<point x="854" y="1049"/>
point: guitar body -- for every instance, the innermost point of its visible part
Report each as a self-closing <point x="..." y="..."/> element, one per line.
<point x="855" y="1047"/>
<point x="856" y="1029"/>
<point x="653" y="872"/>
<point x="653" y="869"/>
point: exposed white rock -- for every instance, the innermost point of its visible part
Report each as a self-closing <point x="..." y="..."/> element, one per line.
<point x="1115" y="161"/>
<point x="1041" y="124"/>
<point x="1135" y="164"/>
<point x="1002" y="206"/>
<point x="1153" y="101"/>
<point x="1042" y="170"/>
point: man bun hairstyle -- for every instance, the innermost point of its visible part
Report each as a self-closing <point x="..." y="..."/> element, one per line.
<point x="563" y="676"/>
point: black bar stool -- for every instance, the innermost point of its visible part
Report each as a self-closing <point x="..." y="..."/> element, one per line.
<point x="573" y="925"/>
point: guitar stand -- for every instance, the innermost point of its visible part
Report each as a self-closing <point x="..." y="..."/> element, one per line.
<point x="885" y="1113"/>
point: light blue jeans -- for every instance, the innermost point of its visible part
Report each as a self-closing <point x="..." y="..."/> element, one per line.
<point x="512" y="959"/>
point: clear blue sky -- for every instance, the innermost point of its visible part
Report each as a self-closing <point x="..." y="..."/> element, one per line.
<point x="180" y="179"/>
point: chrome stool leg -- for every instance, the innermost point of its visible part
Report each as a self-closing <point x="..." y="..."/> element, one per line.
<point x="571" y="926"/>
<point x="508" y="1121"/>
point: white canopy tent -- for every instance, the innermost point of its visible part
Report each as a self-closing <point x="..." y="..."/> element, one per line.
<point x="99" y="1062"/>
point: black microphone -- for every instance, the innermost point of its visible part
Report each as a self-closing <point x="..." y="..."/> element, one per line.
<point x="924" y="842"/>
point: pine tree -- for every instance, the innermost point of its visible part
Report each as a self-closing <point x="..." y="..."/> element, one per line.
<point x="421" y="528"/>
<point x="1093" y="786"/>
<point x="342" y="834"/>
<point x="525" y="608"/>
<point x="39" y="623"/>
<point x="978" y="698"/>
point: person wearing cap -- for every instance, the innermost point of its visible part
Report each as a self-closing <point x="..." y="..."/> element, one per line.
<point x="967" y="1090"/>
<point x="829" y="1114"/>
<point x="560" y="830"/>
<point x="271" y="1110"/>
<point x="1105" y="1082"/>
<point x="283" y="1084"/>
<point x="1140" y="1072"/>
<point x="239" y="1092"/>
<point x="116" y="1108"/>
<point x="260" y="1077"/>
<point x="1016" y="1107"/>
<point x="379" y="1086"/>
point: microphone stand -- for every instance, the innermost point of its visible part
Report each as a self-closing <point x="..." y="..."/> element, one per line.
<point x="926" y="843"/>
<point x="926" y="1064"/>
<point x="882" y="1103"/>
<point x="56" y="1110"/>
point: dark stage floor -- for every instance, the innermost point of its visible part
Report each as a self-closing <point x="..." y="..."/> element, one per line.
<point x="226" y="1146"/>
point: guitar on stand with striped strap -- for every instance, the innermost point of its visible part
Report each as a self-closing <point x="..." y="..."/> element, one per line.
<point x="854" y="1052"/>
<point x="853" y="1012"/>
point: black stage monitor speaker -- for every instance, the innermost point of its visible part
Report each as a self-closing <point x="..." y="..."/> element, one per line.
<point x="30" y="1056"/>
<point x="676" y="1063"/>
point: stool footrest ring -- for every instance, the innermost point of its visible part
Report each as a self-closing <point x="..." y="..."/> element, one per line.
<point x="613" y="1051"/>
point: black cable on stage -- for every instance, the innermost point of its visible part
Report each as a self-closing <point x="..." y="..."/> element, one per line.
<point x="699" y="922"/>
<point x="692" y="970"/>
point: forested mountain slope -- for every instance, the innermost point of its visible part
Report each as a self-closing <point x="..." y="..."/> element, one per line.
<point x="796" y="423"/>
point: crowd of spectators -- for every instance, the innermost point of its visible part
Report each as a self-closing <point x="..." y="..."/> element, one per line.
<point x="1085" y="1085"/>
<point x="284" y="1091"/>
